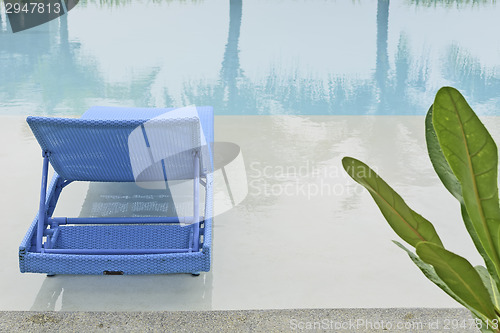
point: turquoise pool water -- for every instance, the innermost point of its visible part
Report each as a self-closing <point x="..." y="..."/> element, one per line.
<point x="254" y="57"/>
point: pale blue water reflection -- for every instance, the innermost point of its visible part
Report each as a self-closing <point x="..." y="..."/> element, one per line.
<point x="254" y="58"/>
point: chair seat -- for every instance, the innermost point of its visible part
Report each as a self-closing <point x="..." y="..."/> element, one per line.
<point x="120" y="237"/>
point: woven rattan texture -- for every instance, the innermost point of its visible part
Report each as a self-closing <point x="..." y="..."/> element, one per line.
<point x="108" y="129"/>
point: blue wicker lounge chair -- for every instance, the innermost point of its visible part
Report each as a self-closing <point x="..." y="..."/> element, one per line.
<point x="111" y="144"/>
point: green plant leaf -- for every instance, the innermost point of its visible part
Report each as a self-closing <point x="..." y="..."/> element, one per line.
<point x="430" y="273"/>
<point x="452" y="184"/>
<point x="472" y="155"/>
<point x="409" y="225"/>
<point x="490" y="284"/>
<point x="490" y="265"/>
<point x="438" y="160"/>
<point x="459" y="276"/>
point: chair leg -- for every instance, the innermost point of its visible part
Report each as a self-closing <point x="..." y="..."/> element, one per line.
<point x="42" y="211"/>
<point x="196" y="203"/>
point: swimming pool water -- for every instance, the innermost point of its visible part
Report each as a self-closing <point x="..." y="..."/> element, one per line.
<point x="254" y="57"/>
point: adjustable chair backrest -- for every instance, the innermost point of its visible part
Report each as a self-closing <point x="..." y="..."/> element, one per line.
<point x="118" y="150"/>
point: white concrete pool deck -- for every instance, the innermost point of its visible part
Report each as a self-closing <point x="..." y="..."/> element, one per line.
<point x="317" y="320"/>
<point x="305" y="237"/>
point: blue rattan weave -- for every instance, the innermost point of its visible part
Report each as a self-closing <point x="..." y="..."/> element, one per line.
<point x="93" y="148"/>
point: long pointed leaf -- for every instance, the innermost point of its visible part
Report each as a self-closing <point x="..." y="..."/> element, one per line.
<point x="430" y="273"/>
<point x="409" y="225"/>
<point x="490" y="285"/>
<point x="459" y="276"/>
<point x="438" y="160"/>
<point x="452" y="184"/>
<point x="472" y="155"/>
